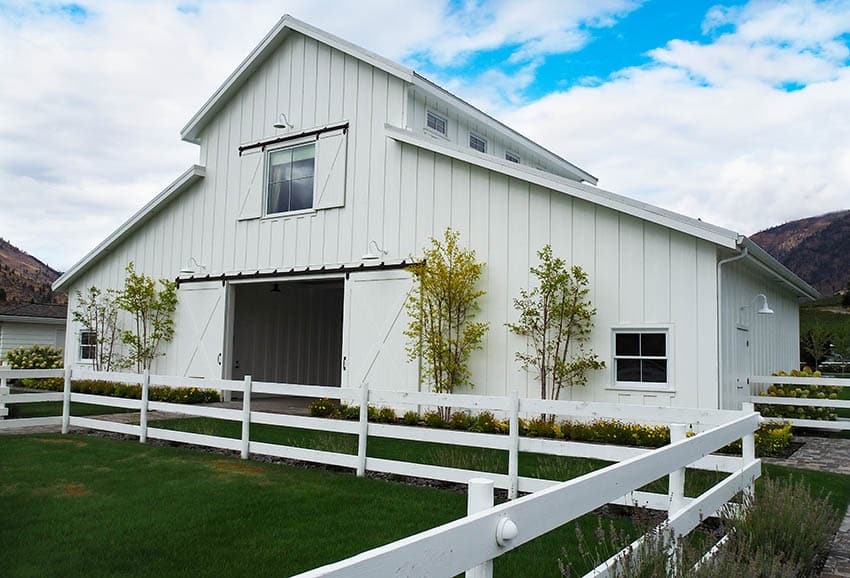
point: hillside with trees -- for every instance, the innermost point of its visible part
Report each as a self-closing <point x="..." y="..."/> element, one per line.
<point x="25" y="279"/>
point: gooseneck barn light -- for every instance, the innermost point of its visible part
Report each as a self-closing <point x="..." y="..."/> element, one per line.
<point x="283" y="122"/>
<point x="379" y="252"/>
<point x="192" y="266"/>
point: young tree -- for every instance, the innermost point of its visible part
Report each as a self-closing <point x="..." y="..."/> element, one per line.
<point x="556" y="317"/>
<point x="97" y="311"/>
<point x="151" y="312"/>
<point x="442" y="308"/>
<point x="816" y="345"/>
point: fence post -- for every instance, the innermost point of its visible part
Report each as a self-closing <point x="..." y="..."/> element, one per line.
<point x="246" y="418"/>
<point x="66" y="402"/>
<point x="748" y="447"/>
<point x="4" y="390"/>
<point x="143" y="411"/>
<point x="513" y="449"/>
<point x="676" y="486"/>
<point x="480" y="498"/>
<point x="363" y="434"/>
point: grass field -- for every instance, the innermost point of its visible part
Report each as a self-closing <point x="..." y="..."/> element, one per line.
<point x="54" y="408"/>
<point x="87" y="506"/>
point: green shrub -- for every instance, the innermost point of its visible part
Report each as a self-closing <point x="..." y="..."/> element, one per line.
<point x="130" y="391"/>
<point x="434" y="419"/>
<point x="387" y="415"/>
<point x="410" y="418"/>
<point x="486" y="422"/>
<point x="461" y="420"/>
<point x="801" y="392"/>
<point x="772" y="439"/>
<point x="542" y="428"/>
<point x="35" y="357"/>
<point x="323" y="407"/>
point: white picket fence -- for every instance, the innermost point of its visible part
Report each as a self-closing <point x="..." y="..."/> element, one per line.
<point x="760" y="383"/>
<point x="484" y="535"/>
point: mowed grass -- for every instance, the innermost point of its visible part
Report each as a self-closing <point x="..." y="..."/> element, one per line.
<point x="88" y="506"/>
<point x="480" y="459"/>
<point x="54" y="408"/>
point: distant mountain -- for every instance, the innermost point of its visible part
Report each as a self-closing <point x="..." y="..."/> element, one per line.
<point x="25" y="279"/>
<point x="817" y="249"/>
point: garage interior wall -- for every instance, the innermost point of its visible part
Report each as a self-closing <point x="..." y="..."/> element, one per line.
<point x="293" y="335"/>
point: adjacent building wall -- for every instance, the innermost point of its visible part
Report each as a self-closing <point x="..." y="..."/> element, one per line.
<point x="15" y="334"/>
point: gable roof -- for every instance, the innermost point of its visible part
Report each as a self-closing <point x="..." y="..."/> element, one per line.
<point x="183" y="182"/>
<point x="191" y="132"/>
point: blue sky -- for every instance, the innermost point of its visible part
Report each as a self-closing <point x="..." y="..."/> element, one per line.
<point x="734" y="112"/>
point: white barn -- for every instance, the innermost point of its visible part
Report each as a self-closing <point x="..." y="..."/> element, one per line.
<point x="324" y="167"/>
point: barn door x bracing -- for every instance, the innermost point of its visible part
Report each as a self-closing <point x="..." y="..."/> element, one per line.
<point x="199" y="330"/>
<point x="376" y="318"/>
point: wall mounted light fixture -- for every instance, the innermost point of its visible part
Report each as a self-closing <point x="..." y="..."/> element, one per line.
<point x="379" y="252"/>
<point x="283" y="122"/>
<point x="192" y="266"/>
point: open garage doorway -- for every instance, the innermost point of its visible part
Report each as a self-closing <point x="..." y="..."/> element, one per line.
<point x="288" y="331"/>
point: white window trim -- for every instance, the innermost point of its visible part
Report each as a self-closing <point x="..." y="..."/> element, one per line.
<point x="472" y="134"/>
<point x="79" y="339"/>
<point x="267" y="161"/>
<point x="433" y="132"/>
<point x="669" y="386"/>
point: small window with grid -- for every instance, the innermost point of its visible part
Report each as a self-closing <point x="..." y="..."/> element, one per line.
<point x="88" y="345"/>
<point x="512" y="157"/>
<point x="641" y="357"/>
<point x="478" y="143"/>
<point x="437" y="123"/>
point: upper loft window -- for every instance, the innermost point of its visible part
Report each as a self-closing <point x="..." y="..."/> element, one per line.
<point x="478" y="143"/>
<point x="512" y="157"/>
<point x="88" y="345"/>
<point x="290" y="179"/>
<point x="641" y="357"/>
<point x="437" y="123"/>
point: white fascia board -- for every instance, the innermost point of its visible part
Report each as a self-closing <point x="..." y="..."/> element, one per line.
<point x="39" y="320"/>
<point x="268" y="44"/>
<point x="589" y="193"/>
<point x="783" y="273"/>
<point x="184" y="181"/>
<point x="441" y="93"/>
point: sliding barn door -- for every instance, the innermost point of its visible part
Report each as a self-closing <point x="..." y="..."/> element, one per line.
<point x="375" y="320"/>
<point x="199" y="330"/>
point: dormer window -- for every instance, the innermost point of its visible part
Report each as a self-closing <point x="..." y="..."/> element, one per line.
<point x="478" y="143"/>
<point x="512" y="157"/>
<point x="437" y="123"/>
<point x="290" y="179"/>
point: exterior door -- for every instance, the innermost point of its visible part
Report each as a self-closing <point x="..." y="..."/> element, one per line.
<point x="199" y="330"/>
<point x="743" y="369"/>
<point x="375" y="319"/>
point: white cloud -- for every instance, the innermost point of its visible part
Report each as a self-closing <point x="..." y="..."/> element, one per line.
<point x="90" y="107"/>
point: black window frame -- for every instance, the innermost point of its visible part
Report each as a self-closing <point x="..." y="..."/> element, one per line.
<point x="645" y="361"/>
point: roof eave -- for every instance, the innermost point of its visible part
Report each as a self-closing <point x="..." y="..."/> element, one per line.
<point x="694" y="227"/>
<point x="31" y="319"/>
<point x="184" y="181"/>
<point x="781" y="271"/>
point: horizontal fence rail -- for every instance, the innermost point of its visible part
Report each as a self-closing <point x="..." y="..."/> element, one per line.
<point x="840" y="424"/>
<point x="549" y="503"/>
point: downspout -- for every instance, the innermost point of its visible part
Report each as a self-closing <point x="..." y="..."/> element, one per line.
<point x="741" y="255"/>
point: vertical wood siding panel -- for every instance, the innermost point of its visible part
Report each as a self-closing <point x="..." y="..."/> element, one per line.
<point x="500" y="350"/>
<point x="442" y="194"/>
<point x="355" y="143"/>
<point x="657" y="274"/>
<point x="540" y="212"/>
<point x="561" y="225"/>
<point x="377" y="161"/>
<point x="323" y="84"/>
<point x="302" y="248"/>
<point x="296" y="85"/>
<point x="479" y="241"/>
<point x="408" y="201"/>
<point x="607" y="288"/>
<point x="360" y="198"/>
<point x="631" y="270"/>
<point x="517" y="276"/>
<point x="684" y="304"/>
<point x="309" y="82"/>
<point x="336" y="87"/>
<point x="271" y="111"/>
<point x="391" y="214"/>
<point x="460" y="198"/>
<point x="706" y="345"/>
<point x="427" y="162"/>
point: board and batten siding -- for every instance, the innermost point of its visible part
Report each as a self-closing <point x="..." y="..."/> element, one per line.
<point x="16" y="334"/>
<point x="400" y="195"/>
<point x="774" y="339"/>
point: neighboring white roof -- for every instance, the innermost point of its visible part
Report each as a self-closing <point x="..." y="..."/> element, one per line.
<point x="184" y="181"/>
<point x="191" y="132"/>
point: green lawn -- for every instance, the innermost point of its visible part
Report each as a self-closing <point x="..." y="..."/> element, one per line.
<point x="54" y="408"/>
<point x="485" y="460"/>
<point x="88" y="506"/>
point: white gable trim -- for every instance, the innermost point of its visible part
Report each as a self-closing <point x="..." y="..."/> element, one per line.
<point x="39" y="320"/>
<point x="663" y="217"/>
<point x="183" y="182"/>
<point x="272" y="40"/>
